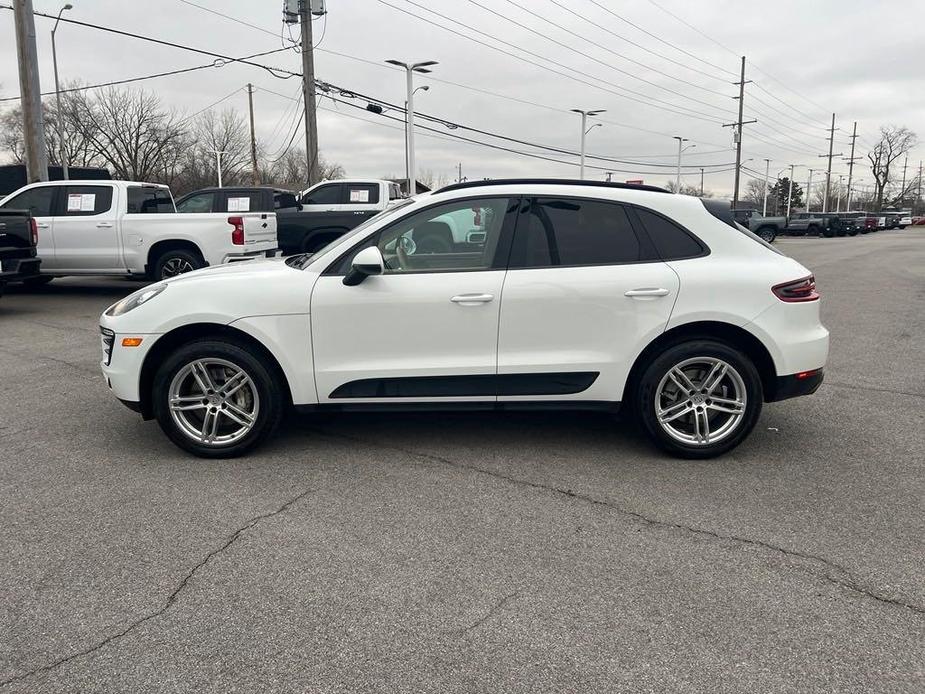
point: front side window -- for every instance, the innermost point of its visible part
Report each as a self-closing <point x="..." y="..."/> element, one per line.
<point x="203" y="202"/>
<point x="149" y="200"/>
<point x="574" y="232"/>
<point x="329" y="194"/>
<point x="37" y="200"/>
<point x="85" y="201"/>
<point x="282" y="201"/>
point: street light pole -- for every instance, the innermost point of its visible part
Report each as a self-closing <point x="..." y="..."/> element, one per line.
<point x="411" y="68"/>
<point x="584" y="131"/>
<point x="417" y="89"/>
<point x="677" y="178"/>
<point x="62" y="154"/>
<point x="218" y="163"/>
<point x="809" y="188"/>
<point x="790" y="192"/>
<point x="767" y="167"/>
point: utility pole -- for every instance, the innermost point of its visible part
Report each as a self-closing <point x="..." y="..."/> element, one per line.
<point x="838" y="194"/>
<point x="33" y="122"/>
<point x="828" y="171"/>
<point x="459" y="177"/>
<point x="701" y="181"/>
<point x="308" y="91"/>
<point x="919" y="196"/>
<point x="851" y="160"/>
<point x="767" y="167"/>
<point x="902" y="188"/>
<point x="255" y="174"/>
<point x="738" y="132"/>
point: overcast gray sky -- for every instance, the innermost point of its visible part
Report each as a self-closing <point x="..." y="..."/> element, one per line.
<point x="860" y="59"/>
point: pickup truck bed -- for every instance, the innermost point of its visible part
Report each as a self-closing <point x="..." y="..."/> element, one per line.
<point x="18" y="237"/>
<point x="307" y="232"/>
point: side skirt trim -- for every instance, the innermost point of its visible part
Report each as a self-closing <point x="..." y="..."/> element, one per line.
<point x="485" y="385"/>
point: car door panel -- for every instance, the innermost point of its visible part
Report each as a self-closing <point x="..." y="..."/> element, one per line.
<point x="87" y="230"/>
<point x="583" y="292"/>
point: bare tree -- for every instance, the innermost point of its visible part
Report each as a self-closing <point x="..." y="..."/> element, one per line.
<point x="290" y="170"/>
<point x="135" y="137"/>
<point x="207" y="133"/>
<point x="686" y="189"/>
<point x="754" y="194"/>
<point x="894" y="143"/>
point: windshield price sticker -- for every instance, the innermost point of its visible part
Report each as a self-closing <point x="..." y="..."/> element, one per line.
<point x="239" y="204"/>
<point x="81" y="202"/>
<point x="359" y="195"/>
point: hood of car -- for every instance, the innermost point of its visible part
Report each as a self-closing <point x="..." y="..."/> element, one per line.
<point x="247" y="269"/>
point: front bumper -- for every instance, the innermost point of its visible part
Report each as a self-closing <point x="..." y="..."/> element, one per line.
<point x="123" y="370"/>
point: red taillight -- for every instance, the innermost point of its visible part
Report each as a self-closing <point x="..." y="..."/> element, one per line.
<point x="35" y="231"/>
<point x="803" y="375"/>
<point x="237" y="234"/>
<point x="797" y="291"/>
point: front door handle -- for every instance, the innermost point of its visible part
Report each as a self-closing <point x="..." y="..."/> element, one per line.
<point x="650" y="292"/>
<point x="472" y="299"/>
<point x="41" y="225"/>
<point x="104" y="225"/>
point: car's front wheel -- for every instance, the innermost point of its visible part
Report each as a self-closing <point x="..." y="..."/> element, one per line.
<point x="699" y="399"/>
<point x="217" y="399"/>
<point x="767" y="234"/>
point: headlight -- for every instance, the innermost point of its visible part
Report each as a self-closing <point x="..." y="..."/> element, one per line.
<point x="133" y="301"/>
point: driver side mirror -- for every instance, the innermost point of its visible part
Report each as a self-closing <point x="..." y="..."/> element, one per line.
<point x="367" y="262"/>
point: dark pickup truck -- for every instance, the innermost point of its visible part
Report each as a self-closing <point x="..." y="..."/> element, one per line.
<point x="18" y="239"/>
<point x="298" y="230"/>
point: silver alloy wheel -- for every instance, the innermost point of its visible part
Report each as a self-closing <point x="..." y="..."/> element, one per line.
<point x="176" y="266"/>
<point x="213" y="401"/>
<point x="701" y="401"/>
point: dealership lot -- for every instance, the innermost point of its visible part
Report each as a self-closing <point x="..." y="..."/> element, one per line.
<point x="503" y="552"/>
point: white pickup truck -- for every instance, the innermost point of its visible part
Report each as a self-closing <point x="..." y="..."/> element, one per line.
<point x="350" y="195"/>
<point x="129" y="228"/>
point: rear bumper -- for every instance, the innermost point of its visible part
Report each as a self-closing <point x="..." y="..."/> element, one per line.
<point x="248" y="255"/>
<point x="15" y="269"/>
<point x="795" y="385"/>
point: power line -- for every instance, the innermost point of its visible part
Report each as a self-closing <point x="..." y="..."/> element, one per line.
<point x="210" y="106"/>
<point x="596" y="84"/>
<point x="214" y="64"/>
<point x="588" y="55"/>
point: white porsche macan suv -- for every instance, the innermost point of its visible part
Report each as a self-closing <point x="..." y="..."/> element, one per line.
<point x="488" y="295"/>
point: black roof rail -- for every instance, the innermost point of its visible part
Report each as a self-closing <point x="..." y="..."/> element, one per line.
<point x="549" y="181"/>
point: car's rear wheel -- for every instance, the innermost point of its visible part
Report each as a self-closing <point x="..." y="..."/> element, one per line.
<point x="852" y="231"/>
<point x="699" y="399"/>
<point x="177" y="262"/>
<point x="767" y="233"/>
<point x="217" y="399"/>
<point x="812" y="229"/>
<point x="828" y="233"/>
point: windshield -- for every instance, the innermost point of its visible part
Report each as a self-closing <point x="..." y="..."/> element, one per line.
<point x="304" y="259"/>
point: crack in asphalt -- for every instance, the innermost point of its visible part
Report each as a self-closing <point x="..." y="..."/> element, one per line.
<point x="77" y="367"/>
<point x="488" y="615"/>
<point x="171" y="599"/>
<point x="850" y="386"/>
<point x="848" y="581"/>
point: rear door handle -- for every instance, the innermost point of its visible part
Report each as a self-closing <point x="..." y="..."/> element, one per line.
<point x="468" y="299"/>
<point x="653" y="292"/>
<point x="104" y="225"/>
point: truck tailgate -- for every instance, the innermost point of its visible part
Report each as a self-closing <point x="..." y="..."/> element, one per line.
<point x="259" y="231"/>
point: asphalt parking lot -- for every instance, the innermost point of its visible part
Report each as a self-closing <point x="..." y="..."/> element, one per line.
<point x="461" y="553"/>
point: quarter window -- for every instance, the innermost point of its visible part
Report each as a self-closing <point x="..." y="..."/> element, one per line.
<point x="37" y="200"/>
<point x="84" y="201"/>
<point x="573" y="232"/>
<point x="671" y="241"/>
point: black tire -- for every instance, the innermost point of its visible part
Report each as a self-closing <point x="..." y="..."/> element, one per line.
<point x="266" y="383"/>
<point x="36" y="282"/>
<point x="176" y="262"/>
<point x="658" y="369"/>
<point x="814" y="230"/>
<point x="828" y="233"/>
<point x="852" y="231"/>
<point x="767" y="233"/>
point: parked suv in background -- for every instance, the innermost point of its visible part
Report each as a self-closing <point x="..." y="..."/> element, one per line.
<point x="561" y="294"/>
<point x="238" y="199"/>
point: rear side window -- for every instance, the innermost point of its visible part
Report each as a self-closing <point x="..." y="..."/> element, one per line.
<point x="330" y="194"/>
<point x="671" y="241"/>
<point x="143" y="200"/>
<point x="243" y="201"/>
<point x="84" y="201"/>
<point x="574" y="232"/>
<point x="37" y="200"/>
<point x="362" y="194"/>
